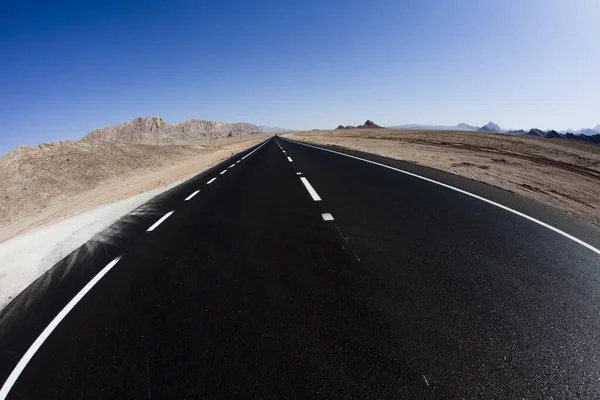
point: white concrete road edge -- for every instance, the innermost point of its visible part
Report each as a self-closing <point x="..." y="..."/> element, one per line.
<point x="25" y="258"/>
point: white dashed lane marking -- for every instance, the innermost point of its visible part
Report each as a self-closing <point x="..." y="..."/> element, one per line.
<point x="46" y="332"/>
<point x="298" y="173"/>
<point x="289" y="159"/>
<point x="232" y="165"/>
<point x="327" y="217"/>
<point x="160" y="221"/>
<point x="191" y="196"/>
<point x="311" y="190"/>
<point x="513" y="211"/>
<point x="222" y="172"/>
<point x="211" y="181"/>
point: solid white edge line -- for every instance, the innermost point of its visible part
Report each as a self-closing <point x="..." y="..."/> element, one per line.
<point x="520" y="214"/>
<point x="211" y="181"/>
<point x="160" y="221"/>
<point x="222" y="172"/>
<point x="310" y="189"/>
<point x="289" y="159"/>
<point x="191" y="196"/>
<point x="265" y="142"/>
<point x="327" y="217"/>
<point x="46" y="332"/>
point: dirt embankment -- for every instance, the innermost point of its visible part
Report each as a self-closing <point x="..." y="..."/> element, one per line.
<point x="41" y="184"/>
<point x="562" y="174"/>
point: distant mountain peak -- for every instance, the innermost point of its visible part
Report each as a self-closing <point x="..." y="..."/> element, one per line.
<point x="369" y="125"/>
<point x="597" y="128"/>
<point x="490" y="127"/>
<point x="493" y="126"/>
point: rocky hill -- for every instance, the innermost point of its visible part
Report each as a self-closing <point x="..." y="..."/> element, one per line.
<point x="155" y="130"/>
<point x="490" y="127"/>
<point x="367" y="125"/>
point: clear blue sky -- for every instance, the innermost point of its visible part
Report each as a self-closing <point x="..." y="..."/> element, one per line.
<point x="67" y="68"/>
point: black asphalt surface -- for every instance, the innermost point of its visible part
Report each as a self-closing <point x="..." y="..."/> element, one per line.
<point x="413" y="291"/>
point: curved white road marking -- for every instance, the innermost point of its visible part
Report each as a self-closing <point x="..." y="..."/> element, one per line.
<point x="520" y="214"/>
<point x="160" y="221"/>
<point x="191" y="196"/>
<point x="310" y="189"/>
<point x="63" y="313"/>
<point x="14" y="375"/>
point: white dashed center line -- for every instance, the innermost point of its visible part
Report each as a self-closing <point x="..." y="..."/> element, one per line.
<point x="222" y="172"/>
<point x="160" y="221"/>
<point x="232" y="165"/>
<point x="298" y="173"/>
<point x="191" y="196"/>
<point x="310" y="189"/>
<point x="211" y="181"/>
<point x="46" y="332"/>
<point x="237" y="162"/>
<point x="327" y="217"/>
<point x="289" y="159"/>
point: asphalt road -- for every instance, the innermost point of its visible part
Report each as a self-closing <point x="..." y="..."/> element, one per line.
<point x="248" y="290"/>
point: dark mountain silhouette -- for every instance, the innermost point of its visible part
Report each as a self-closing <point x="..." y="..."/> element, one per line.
<point x="490" y="127"/>
<point x="553" y="135"/>
<point x="592" y="139"/>
<point x="367" y="125"/>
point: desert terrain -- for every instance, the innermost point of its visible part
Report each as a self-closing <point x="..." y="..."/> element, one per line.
<point x="562" y="174"/>
<point x="47" y="183"/>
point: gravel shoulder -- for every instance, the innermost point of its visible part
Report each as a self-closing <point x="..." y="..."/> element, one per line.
<point x="561" y="174"/>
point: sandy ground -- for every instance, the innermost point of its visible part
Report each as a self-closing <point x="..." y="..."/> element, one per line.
<point x="561" y="174"/>
<point x="44" y="238"/>
<point x="44" y="185"/>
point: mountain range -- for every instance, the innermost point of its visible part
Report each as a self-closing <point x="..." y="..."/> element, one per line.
<point x="583" y="135"/>
<point x="459" y="127"/>
<point x="490" y="127"/>
<point x="155" y="130"/>
<point x="367" y="125"/>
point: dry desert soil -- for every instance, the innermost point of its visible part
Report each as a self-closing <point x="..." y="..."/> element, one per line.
<point x="561" y="174"/>
<point x="46" y="183"/>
